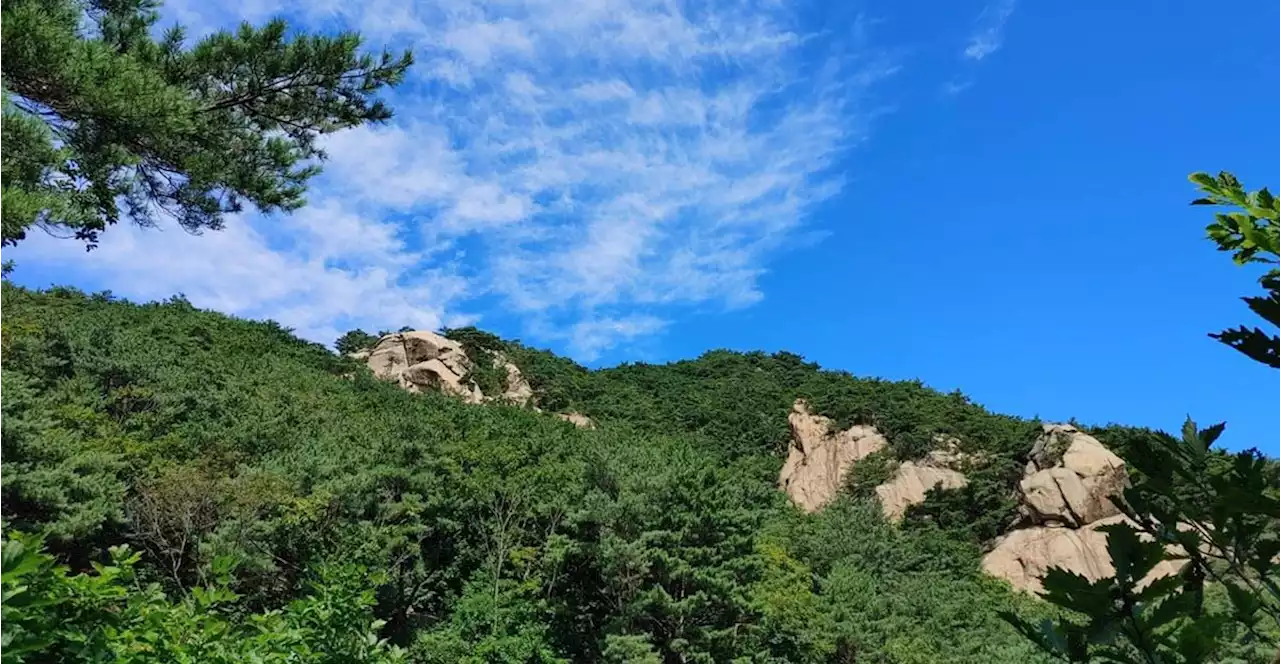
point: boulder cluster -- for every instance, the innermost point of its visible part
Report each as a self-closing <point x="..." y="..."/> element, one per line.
<point x="1065" y="499"/>
<point x="820" y="458"/>
<point x="1065" y="496"/>
<point x="420" y="361"/>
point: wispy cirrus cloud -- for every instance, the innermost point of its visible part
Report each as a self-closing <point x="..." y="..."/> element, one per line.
<point x="988" y="34"/>
<point x="592" y="167"/>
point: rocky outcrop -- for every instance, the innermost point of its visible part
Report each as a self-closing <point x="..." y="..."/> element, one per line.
<point x="819" y="458"/>
<point x="422" y="360"/>
<point x="1064" y="501"/>
<point x="1024" y="556"/>
<point x="912" y="481"/>
<point x="577" y="419"/>
<point x="518" y="390"/>
<point x="1070" y="478"/>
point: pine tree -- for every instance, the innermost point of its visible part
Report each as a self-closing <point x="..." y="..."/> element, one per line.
<point x="354" y="340"/>
<point x="102" y="120"/>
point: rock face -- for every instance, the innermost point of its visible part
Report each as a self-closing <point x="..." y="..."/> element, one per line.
<point x="1023" y="557"/>
<point x="1064" y="501"/>
<point x="422" y="360"/>
<point x="577" y="419"/>
<point x="912" y="481"/>
<point x="819" y="458"/>
<point x="518" y="391"/>
<point x="1070" y="478"/>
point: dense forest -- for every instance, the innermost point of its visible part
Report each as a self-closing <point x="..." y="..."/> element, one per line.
<point x="184" y="486"/>
<point x="275" y="497"/>
<point x="484" y="532"/>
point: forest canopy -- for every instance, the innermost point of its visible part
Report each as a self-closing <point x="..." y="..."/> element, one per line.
<point x="487" y="532"/>
<point x="251" y="473"/>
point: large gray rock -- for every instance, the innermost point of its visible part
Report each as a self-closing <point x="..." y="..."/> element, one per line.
<point x="518" y="390"/>
<point x="1065" y="500"/>
<point x="577" y="419"/>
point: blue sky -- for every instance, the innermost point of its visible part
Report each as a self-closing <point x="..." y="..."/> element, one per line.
<point x="988" y="196"/>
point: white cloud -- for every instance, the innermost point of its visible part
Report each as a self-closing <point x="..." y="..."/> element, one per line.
<point x="604" y="163"/>
<point x="339" y="271"/>
<point x="478" y="42"/>
<point x="989" y="34"/>
<point x="587" y="338"/>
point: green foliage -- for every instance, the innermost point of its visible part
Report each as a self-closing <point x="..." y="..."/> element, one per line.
<point x="738" y="403"/>
<point x="871" y="471"/>
<point x="1223" y="536"/>
<point x="226" y="437"/>
<point x="99" y="114"/>
<point x="1252" y="235"/>
<point x="978" y="512"/>
<point x="486" y="352"/>
<point x="894" y="596"/>
<point x="50" y="614"/>
<point x="353" y="341"/>
<point x="52" y="479"/>
<point x="494" y="534"/>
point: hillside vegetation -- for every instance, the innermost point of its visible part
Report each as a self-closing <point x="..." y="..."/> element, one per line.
<point x="182" y="486"/>
<point x="272" y="488"/>
<point x="485" y="533"/>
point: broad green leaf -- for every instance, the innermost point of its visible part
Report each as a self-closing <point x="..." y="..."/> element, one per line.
<point x="1204" y="180"/>
<point x="1265" y="199"/>
<point x="1244" y="603"/>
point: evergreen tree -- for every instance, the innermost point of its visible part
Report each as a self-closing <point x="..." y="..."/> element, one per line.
<point x="354" y="340"/>
<point x="101" y="119"/>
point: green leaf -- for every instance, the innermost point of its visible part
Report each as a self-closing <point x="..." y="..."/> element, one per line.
<point x="1245" y="604"/>
<point x="1210" y="435"/>
<point x="1265" y="551"/>
<point x="1159" y="588"/>
<point x="1132" y="557"/>
<point x="1175" y="606"/>
<point x="1199" y="640"/>
<point x="1204" y="180"/>
<point x="1188" y="430"/>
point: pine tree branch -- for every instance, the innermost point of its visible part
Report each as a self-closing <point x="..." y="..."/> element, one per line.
<point x="288" y="86"/>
